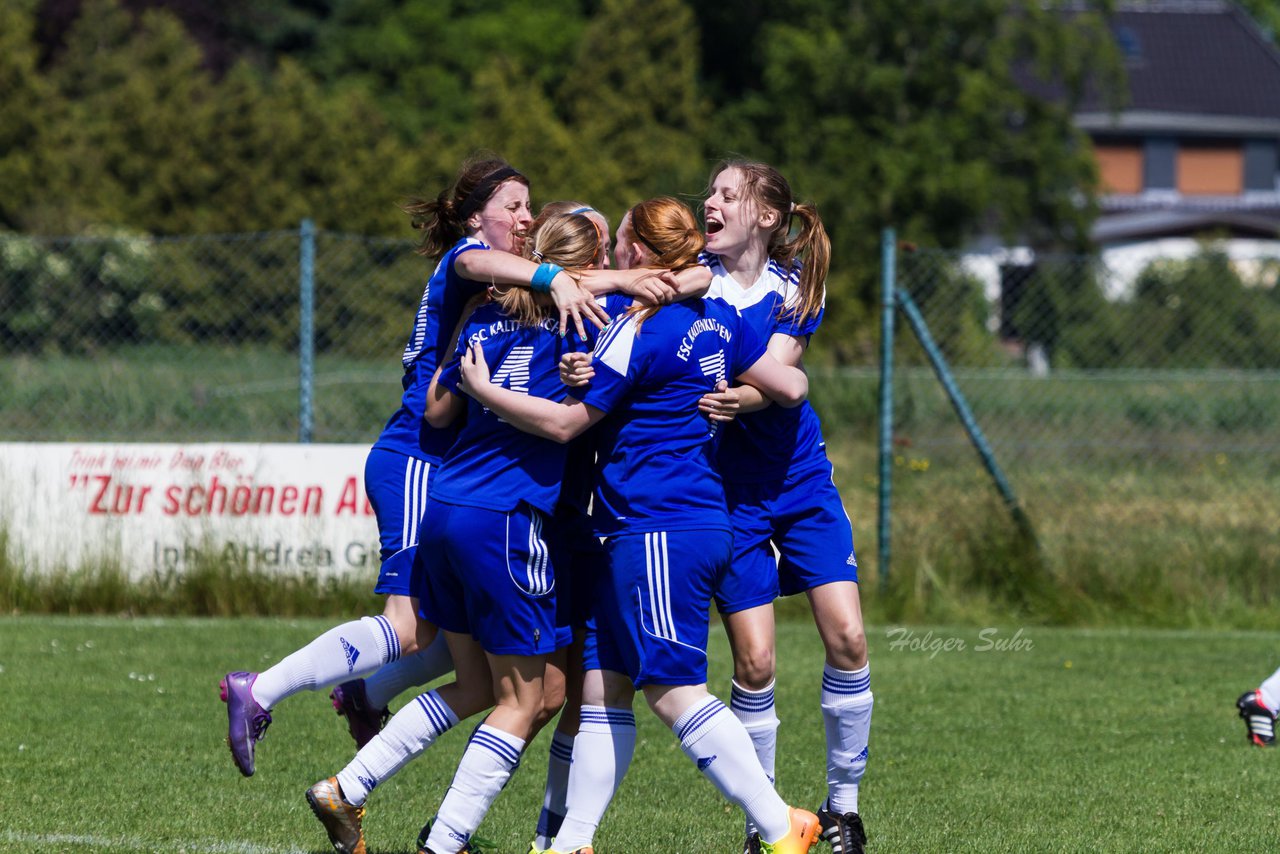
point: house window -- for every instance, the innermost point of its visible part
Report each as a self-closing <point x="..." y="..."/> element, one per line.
<point x="1119" y="167"/>
<point x="1210" y="170"/>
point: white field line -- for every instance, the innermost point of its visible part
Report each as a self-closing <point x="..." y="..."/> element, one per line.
<point x="125" y="843"/>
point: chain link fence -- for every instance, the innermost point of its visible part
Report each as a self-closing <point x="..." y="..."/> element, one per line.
<point x="1134" y="410"/>
<point x="120" y="337"/>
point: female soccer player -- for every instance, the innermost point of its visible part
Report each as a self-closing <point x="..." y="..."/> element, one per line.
<point x="778" y="482"/>
<point x="660" y="505"/>
<point x="484" y="573"/>
<point x="487" y="208"/>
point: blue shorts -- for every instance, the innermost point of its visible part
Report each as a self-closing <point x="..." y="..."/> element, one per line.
<point x="580" y="563"/>
<point x="397" y="490"/>
<point x="805" y="519"/>
<point x="654" y="606"/>
<point x="489" y="574"/>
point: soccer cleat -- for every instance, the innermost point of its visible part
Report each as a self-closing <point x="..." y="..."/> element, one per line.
<point x="246" y="721"/>
<point x="801" y="834"/>
<point x="341" y="820"/>
<point x="1259" y="723"/>
<point x="844" y="832"/>
<point x="351" y="702"/>
<point x="751" y="845"/>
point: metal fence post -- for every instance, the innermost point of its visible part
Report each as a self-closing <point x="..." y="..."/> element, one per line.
<point x="306" y="331"/>
<point x="917" y="322"/>
<point x="888" y="287"/>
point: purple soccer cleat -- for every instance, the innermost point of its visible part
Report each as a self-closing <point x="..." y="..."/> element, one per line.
<point x="246" y="720"/>
<point x="351" y="702"/>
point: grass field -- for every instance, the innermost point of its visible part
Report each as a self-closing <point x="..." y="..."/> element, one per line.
<point x="1026" y="739"/>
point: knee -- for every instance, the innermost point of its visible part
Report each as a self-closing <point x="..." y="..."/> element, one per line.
<point x="754" y="669"/>
<point x="847" y="647"/>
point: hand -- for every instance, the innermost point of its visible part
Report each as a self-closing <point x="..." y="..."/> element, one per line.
<point x="720" y="404"/>
<point x="576" y="369"/>
<point x="474" y="370"/>
<point x="574" y="301"/>
<point x="653" y="289"/>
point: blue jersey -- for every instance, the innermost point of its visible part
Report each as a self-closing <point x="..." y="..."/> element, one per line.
<point x="429" y="342"/>
<point x="654" y="469"/>
<point x="579" y="468"/>
<point x="494" y="465"/>
<point x="774" y="442"/>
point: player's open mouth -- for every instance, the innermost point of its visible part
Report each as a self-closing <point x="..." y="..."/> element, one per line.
<point x="713" y="227"/>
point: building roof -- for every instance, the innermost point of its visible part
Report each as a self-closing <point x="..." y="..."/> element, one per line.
<point x="1153" y="224"/>
<point x="1196" y="57"/>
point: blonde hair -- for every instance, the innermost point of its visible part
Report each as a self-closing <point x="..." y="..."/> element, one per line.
<point x="668" y="229"/>
<point x="765" y="186"/>
<point x="571" y="241"/>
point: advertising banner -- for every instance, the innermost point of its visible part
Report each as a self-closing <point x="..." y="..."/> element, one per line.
<point x="160" y="508"/>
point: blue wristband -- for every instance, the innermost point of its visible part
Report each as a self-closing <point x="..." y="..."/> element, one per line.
<point x="543" y="276"/>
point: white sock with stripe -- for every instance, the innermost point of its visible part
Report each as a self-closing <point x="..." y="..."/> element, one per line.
<point x="409" y="671"/>
<point x="1271" y="693"/>
<point x="559" y="758"/>
<point x="491" y="757"/>
<point x="348" y="651"/>
<point x="601" y="755"/>
<point x="409" y="732"/>
<point x="756" y="711"/>
<point x="719" y="745"/>
<point x="846" y="711"/>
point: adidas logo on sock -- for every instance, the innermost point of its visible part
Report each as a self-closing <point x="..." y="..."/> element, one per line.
<point x="705" y="762"/>
<point x="352" y="654"/>
<point x="368" y="782"/>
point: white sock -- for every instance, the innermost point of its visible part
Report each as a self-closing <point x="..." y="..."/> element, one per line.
<point x="846" y="711"/>
<point x="490" y="758"/>
<point x="718" y="743"/>
<point x="756" y="711"/>
<point x="559" y="758"/>
<point x="1271" y="693"/>
<point x="348" y="651"/>
<point x="408" y="672"/>
<point x="601" y="755"/>
<point x="409" y="732"/>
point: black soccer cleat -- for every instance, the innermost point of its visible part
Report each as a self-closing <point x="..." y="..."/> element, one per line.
<point x="844" y="833"/>
<point x="1259" y="723"/>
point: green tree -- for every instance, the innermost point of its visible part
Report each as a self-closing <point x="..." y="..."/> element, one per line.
<point x="917" y="115"/>
<point x="634" y="106"/>
<point x="138" y="110"/>
<point x="1267" y="15"/>
<point x="28" y="111"/>
<point x="420" y="58"/>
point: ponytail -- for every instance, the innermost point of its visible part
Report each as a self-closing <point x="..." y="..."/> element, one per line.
<point x="444" y="218"/>
<point x="811" y="244"/>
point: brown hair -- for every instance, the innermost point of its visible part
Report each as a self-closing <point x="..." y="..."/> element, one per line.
<point x="766" y="187"/>
<point x="571" y="241"/>
<point x="444" y="218"/>
<point x="670" y="231"/>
